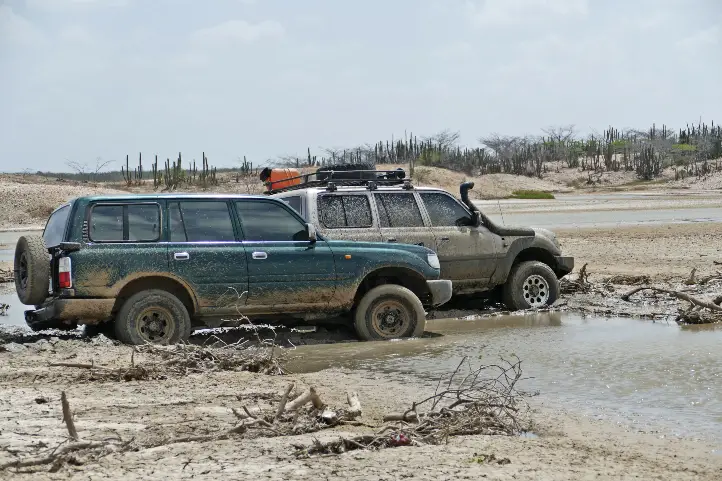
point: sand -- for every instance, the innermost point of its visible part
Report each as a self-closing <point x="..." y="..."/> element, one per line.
<point x="567" y="446"/>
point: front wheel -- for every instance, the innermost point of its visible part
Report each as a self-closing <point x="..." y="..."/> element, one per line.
<point x="530" y="285"/>
<point x="152" y="317"/>
<point x="389" y="312"/>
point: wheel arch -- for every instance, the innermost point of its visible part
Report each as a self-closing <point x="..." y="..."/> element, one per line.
<point x="170" y="284"/>
<point x="402" y="276"/>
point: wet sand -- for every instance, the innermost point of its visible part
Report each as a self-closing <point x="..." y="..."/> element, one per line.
<point x="566" y="445"/>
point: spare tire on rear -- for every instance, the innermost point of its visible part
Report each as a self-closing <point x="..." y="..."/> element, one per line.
<point x="32" y="270"/>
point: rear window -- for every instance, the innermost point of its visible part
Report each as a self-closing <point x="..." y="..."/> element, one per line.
<point x="339" y="211"/>
<point x="124" y="223"/>
<point x="55" y="228"/>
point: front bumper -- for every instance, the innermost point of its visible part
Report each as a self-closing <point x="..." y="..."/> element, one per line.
<point x="565" y="265"/>
<point x="65" y="311"/>
<point x="440" y="291"/>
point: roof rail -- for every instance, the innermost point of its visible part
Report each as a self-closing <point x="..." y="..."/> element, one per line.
<point x="332" y="179"/>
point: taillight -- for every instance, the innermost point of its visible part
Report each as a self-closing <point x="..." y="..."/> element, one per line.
<point x="65" y="276"/>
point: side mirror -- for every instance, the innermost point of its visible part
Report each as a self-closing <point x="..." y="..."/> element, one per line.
<point x="476" y="220"/>
<point x="311" y="230"/>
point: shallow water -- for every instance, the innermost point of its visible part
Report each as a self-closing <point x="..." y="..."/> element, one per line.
<point x="8" y="241"/>
<point x="636" y="372"/>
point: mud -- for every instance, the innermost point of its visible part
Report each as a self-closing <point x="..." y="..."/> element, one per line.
<point x="564" y="445"/>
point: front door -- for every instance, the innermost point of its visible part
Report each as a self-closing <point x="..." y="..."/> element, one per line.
<point x="204" y="252"/>
<point x="286" y="272"/>
<point x="467" y="254"/>
<point x="401" y="221"/>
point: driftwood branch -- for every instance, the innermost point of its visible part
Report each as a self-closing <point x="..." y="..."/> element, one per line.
<point x="284" y="400"/>
<point x="68" y="417"/>
<point x="679" y="295"/>
<point x="309" y="396"/>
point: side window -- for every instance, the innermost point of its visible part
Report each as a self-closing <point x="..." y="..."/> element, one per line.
<point x="398" y="210"/>
<point x="339" y="211"/>
<point x="444" y="210"/>
<point x="177" y="229"/>
<point x="106" y="223"/>
<point x="203" y="221"/>
<point x="294" y="202"/>
<point x="269" y="221"/>
<point x="143" y="222"/>
<point x="125" y="222"/>
<point x="55" y="228"/>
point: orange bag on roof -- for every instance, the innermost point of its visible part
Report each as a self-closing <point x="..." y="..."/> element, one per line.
<point x="279" y="178"/>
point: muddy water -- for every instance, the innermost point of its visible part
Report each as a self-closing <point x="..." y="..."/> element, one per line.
<point x="8" y="241"/>
<point x="639" y="373"/>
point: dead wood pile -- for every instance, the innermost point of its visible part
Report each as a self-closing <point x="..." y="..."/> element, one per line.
<point x="483" y="400"/>
<point x="6" y="275"/>
<point x="181" y="360"/>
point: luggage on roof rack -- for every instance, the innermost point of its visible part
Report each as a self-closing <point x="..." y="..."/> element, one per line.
<point x="331" y="176"/>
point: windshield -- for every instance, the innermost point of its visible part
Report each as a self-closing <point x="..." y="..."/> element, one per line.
<point x="55" y="228"/>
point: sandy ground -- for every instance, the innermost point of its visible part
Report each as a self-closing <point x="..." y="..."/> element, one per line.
<point x="567" y="446"/>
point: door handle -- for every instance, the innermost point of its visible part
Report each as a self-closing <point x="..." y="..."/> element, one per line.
<point x="391" y="239"/>
<point x="259" y="255"/>
<point x="444" y="239"/>
<point x="181" y="256"/>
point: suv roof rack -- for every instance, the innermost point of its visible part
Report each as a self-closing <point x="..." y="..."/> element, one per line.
<point x="332" y="177"/>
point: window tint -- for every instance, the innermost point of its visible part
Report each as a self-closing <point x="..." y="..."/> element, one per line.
<point x="445" y="210"/>
<point x="206" y="221"/>
<point x="338" y="211"/>
<point x="55" y="228"/>
<point x="106" y="223"/>
<point x="294" y="202"/>
<point x="398" y="210"/>
<point x="143" y="222"/>
<point x="125" y="222"/>
<point x="268" y="221"/>
<point x="177" y="231"/>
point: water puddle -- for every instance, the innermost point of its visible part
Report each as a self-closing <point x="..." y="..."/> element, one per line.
<point x="15" y="315"/>
<point x="639" y="373"/>
<point x="7" y="243"/>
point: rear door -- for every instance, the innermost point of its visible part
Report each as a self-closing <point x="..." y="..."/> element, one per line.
<point x="467" y="254"/>
<point x="124" y="239"/>
<point x="286" y="272"/>
<point x="347" y="216"/>
<point x="400" y="219"/>
<point x="204" y="251"/>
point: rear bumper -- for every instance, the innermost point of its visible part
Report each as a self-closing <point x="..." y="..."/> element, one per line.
<point x="565" y="265"/>
<point x="440" y="291"/>
<point x="88" y="311"/>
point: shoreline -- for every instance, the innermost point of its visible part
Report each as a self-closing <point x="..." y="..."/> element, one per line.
<point x="564" y="444"/>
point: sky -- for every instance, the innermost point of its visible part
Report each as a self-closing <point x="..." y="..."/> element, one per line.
<point x="82" y="80"/>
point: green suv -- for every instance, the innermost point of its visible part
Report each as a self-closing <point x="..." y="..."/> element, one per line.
<point x="152" y="268"/>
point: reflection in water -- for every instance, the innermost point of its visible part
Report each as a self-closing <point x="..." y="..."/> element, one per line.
<point x="635" y="371"/>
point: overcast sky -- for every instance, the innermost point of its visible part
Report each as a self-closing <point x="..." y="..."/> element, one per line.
<point x="81" y="79"/>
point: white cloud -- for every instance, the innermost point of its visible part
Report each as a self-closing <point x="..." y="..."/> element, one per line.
<point x="704" y="38"/>
<point x="453" y="50"/>
<point x="60" y="5"/>
<point x="512" y="12"/>
<point x="237" y="31"/>
<point x="16" y="31"/>
<point x="76" y="34"/>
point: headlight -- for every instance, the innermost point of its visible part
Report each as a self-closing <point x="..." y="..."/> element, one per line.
<point x="433" y="261"/>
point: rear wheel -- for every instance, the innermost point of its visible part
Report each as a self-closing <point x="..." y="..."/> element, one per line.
<point x="531" y="285"/>
<point x="153" y="317"/>
<point x="389" y="312"/>
<point x="32" y="270"/>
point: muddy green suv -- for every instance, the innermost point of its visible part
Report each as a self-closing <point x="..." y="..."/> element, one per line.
<point x="151" y="268"/>
<point x="519" y="266"/>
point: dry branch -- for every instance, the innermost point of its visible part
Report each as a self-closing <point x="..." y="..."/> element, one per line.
<point x="679" y="295"/>
<point x="68" y="417"/>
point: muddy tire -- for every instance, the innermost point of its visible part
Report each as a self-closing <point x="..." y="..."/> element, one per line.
<point x="32" y="270"/>
<point x="389" y="311"/>
<point x="530" y="285"/>
<point x="152" y="317"/>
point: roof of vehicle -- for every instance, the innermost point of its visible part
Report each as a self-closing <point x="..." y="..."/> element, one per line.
<point x="355" y="188"/>
<point x="168" y="195"/>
